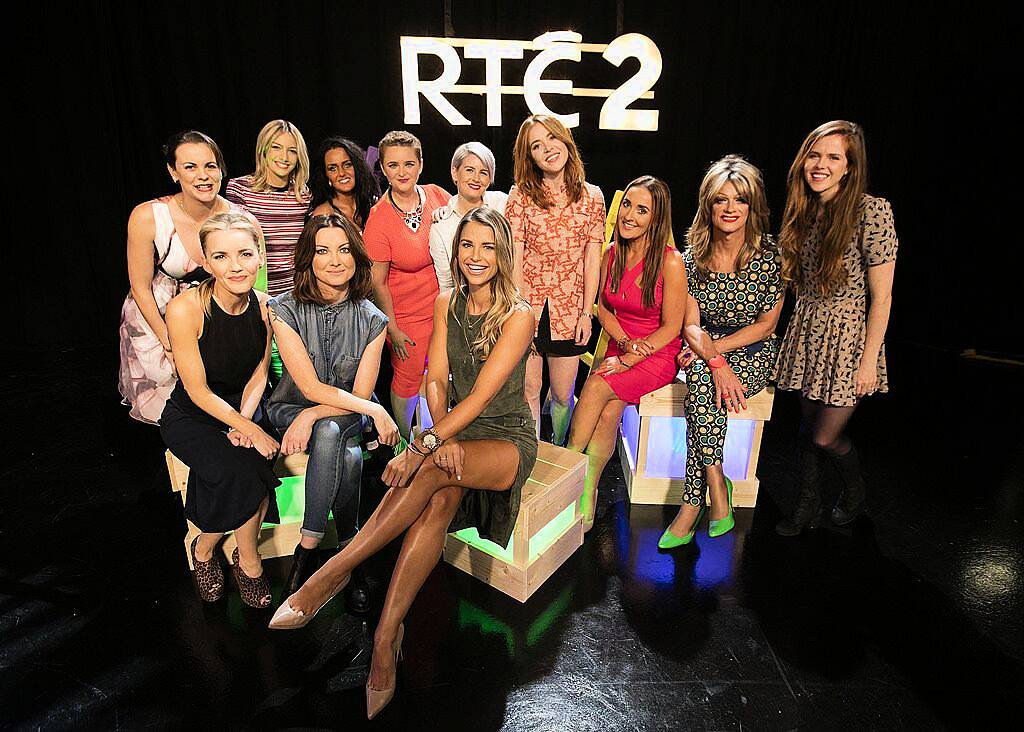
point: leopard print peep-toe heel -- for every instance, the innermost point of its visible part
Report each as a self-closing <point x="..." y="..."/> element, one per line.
<point x="255" y="591"/>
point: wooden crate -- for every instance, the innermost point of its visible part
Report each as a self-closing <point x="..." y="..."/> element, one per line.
<point x="654" y="467"/>
<point x="276" y="540"/>
<point x="549" y="529"/>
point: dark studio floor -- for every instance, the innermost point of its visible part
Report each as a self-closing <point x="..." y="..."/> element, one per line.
<point x="912" y="619"/>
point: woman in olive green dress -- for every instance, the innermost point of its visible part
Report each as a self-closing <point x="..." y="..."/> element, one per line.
<point x="469" y="469"/>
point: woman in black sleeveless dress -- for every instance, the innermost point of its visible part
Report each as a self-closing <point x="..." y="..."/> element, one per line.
<point x="221" y="344"/>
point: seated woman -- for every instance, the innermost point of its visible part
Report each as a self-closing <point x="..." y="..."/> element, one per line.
<point x="643" y="293"/>
<point x="330" y="337"/>
<point x="342" y="182"/>
<point x="472" y="174"/>
<point x="735" y="299"/>
<point x="468" y="469"/>
<point x="221" y="345"/>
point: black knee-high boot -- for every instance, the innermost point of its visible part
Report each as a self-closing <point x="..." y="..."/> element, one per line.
<point x="304" y="564"/>
<point x="808" y="504"/>
<point x="851" y="501"/>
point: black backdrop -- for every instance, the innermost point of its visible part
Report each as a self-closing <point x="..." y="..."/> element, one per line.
<point x="103" y="84"/>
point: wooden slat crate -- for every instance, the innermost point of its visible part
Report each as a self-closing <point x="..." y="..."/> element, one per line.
<point x="549" y="529"/>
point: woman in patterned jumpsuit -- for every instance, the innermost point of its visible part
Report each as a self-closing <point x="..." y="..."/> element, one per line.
<point x="735" y="300"/>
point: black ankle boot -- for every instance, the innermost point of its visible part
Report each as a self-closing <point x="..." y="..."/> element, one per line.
<point x="851" y="501"/>
<point x="357" y="593"/>
<point x="303" y="565"/>
<point x="808" y="505"/>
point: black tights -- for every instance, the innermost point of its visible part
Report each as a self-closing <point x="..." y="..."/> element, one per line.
<point x="823" y="425"/>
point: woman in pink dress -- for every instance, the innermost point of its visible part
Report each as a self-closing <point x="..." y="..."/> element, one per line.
<point x="643" y="299"/>
<point x="164" y="258"/>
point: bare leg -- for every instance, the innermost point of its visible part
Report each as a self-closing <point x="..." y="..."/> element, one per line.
<point x="595" y="424"/>
<point x="595" y="395"/>
<point x="206" y="545"/>
<point x="247" y="536"/>
<point x="562" y="375"/>
<point x="718" y="493"/>
<point x="533" y="381"/>
<point x="404" y="410"/>
<point x="489" y="465"/>
<point x="421" y="549"/>
<point x="682" y="524"/>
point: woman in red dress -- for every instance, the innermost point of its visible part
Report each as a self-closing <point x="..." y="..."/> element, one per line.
<point x="643" y="299"/>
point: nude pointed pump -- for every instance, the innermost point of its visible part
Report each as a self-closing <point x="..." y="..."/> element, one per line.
<point x="377" y="699"/>
<point x="287" y="619"/>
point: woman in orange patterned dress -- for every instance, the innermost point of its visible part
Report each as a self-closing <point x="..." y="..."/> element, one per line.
<point x="557" y="223"/>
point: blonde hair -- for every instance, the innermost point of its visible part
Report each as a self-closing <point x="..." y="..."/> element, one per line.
<point x="528" y="176"/>
<point x="505" y="297"/>
<point x="658" y="234"/>
<point x="839" y="218"/>
<point x="231" y="220"/>
<point x="299" y="176"/>
<point x="749" y="184"/>
<point x="399" y="138"/>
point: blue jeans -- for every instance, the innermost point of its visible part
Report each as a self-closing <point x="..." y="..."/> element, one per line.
<point x="333" y="476"/>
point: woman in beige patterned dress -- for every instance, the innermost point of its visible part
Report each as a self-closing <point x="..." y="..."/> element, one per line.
<point x="838" y="248"/>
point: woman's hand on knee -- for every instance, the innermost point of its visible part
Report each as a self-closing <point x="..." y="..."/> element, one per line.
<point x="264" y="444"/>
<point x="450" y="458"/>
<point x="296" y="437"/>
<point x="387" y="430"/>
<point x="238" y="439"/>
<point x="729" y="392"/>
<point x="685" y="357"/>
<point x="401" y="468"/>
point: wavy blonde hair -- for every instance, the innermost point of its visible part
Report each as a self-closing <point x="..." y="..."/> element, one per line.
<point x="505" y="297"/>
<point x="749" y="184"/>
<point x="658" y="234"/>
<point x="299" y="176"/>
<point x="837" y="220"/>
<point x="230" y="220"/>
<point x="528" y="177"/>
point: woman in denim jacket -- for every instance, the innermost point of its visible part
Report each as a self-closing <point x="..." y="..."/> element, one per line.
<point x="330" y="337"/>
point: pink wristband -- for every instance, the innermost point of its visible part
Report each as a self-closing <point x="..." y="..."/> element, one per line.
<point x="717" y="362"/>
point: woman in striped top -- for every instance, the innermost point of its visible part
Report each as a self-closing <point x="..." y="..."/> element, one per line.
<point x="276" y="194"/>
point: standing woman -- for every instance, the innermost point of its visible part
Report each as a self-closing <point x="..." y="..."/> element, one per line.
<point x="557" y="221"/>
<point x="735" y="299"/>
<point x="277" y="195"/>
<point x="839" y="252"/>
<point x="469" y="469"/>
<point x="643" y="297"/>
<point x="472" y="174"/>
<point x="342" y="183"/>
<point x="330" y="337"/>
<point x="397" y="239"/>
<point x="221" y="344"/>
<point x="165" y="257"/>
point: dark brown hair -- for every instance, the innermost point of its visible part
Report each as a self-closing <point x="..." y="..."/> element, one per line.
<point x="307" y="289"/>
<point x="170" y="148"/>
<point x="658" y="235"/>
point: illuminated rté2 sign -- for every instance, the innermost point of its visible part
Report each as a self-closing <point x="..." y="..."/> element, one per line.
<point x="553" y="46"/>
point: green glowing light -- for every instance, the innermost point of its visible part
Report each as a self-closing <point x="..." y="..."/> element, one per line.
<point x="539" y="542"/>
<point x="291" y="500"/>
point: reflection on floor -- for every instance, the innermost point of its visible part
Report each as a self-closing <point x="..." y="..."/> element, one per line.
<point x="912" y="618"/>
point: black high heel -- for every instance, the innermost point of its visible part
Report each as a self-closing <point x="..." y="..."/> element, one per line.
<point x="304" y="564"/>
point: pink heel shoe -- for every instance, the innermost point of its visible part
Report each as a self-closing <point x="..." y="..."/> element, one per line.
<point x="285" y="618"/>
<point x="377" y="699"/>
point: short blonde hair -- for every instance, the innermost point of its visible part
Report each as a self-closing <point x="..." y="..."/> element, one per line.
<point x="400" y="138"/>
<point x="300" y="176"/>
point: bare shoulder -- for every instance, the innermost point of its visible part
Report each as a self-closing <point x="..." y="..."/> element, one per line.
<point x="184" y="306"/>
<point x="263" y="298"/>
<point x="142" y="216"/>
<point x="673" y="260"/>
<point x="322" y="210"/>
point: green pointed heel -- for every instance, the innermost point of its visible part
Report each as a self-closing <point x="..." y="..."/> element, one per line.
<point x="669" y="540"/>
<point x="717" y="527"/>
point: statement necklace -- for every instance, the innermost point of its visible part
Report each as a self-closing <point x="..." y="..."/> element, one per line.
<point x="413" y="218"/>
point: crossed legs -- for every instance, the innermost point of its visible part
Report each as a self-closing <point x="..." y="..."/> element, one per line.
<point x="595" y="423"/>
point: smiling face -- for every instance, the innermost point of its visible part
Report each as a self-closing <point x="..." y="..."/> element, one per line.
<point x="548" y="153"/>
<point x="477" y="253"/>
<point x="402" y="168"/>
<point x="282" y="157"/>
<point x="340" y="171"/>
<point x="729" y="210"/>
<point x="233" y="259"/>
<point x="635" y="212"/>
<point x="333" y="263"/>
<point x="826" y="165"/>
<point x="196" y="170"/>
<point x="471" y="178"/>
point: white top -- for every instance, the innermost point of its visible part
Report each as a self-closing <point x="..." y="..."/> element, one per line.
<point x="442" y="232"/>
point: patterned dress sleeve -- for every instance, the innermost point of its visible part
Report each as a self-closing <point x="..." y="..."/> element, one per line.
<point x="597" y="216"/>
<point x="378" y="246"/>
<point x="515" y="212"/>
<point x="878" y="238"/>
<point x="770" y="278"/>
